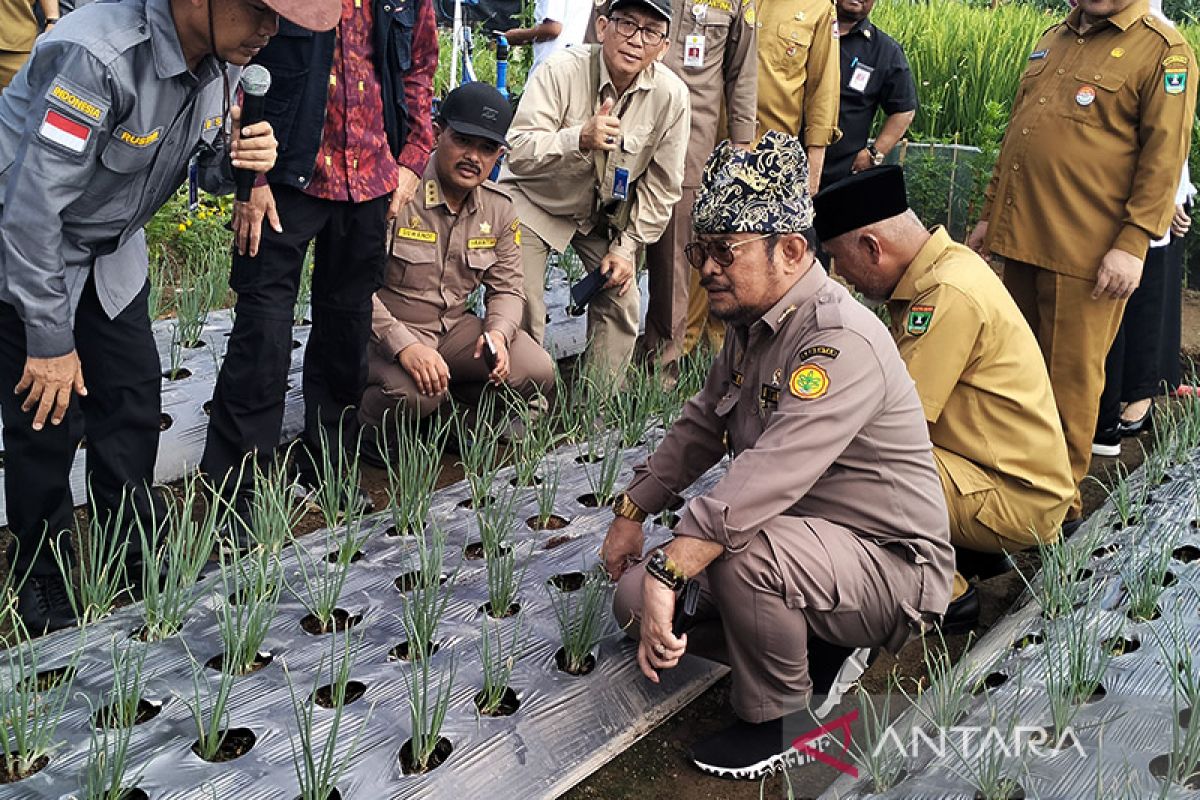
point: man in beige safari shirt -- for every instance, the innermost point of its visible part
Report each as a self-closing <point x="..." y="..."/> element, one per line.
<point x="830" y="524"/>
<point x="597" y="161"/>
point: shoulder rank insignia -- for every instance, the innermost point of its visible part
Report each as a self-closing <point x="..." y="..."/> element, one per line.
<point x="809" y="382"/>
<point x="431" y="193"/>
<point x="737" y="378"/>
<point x="918" y="320"/>
<point x="485" y="228"/>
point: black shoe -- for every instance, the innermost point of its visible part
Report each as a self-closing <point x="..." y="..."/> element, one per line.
<point x="963" y="614"/>
<point x="306" y="491"/>
<point x="1107" y="442"/>
<point x="371" y="450"/>
<point x="745" y="750"/>
<point x="44" y="606"/>
<point x="236" y="532"/>
<point x="1070" y="526"/>
<point x="1145" y="423"/>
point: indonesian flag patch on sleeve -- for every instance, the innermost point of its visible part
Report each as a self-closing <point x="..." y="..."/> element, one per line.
<point x="64" y="131"/>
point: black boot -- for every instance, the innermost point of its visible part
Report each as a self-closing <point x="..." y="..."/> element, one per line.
<point x="44" y="606"/>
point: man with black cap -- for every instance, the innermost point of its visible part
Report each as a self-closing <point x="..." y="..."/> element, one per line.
<point x="96" y="133"/>
<point x="461" y="232"/>
<point x="828" y="530"/>
<point x="597" y="163"/>
<point x="997" y="439"/>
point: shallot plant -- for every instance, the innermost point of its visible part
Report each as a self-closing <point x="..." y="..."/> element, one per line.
<point x="274" y="510"/>
<point x="105" y="775"/>
<point x="498" y="657"/>
<point x="479" y="450"/>
<point x="413" y="457"/>
<point x="581" y="618"/>
<point x="425" y="604"/>
<point x="32" y="703"/>
<point x="987" y="766"/>
<point x="322" y="575"/>
<point x="250" y="585"/>
<point x="602" y="463"/>
<point x="1075" y="664"/>
<point x="99" y="573"/>
<point x="1183" y="760"/>
<point x="1145" y="576"/>
<point x="429" y="686"/>
<point x="546" y="492"/>
<point x="209" y="707"/>
<point x="882" y="764"/>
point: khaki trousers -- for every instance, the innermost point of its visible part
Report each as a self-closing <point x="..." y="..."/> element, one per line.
<point x="612" y="320"/>
<point x="700" y="324"/>
<point x="758" y="606"/>
<point x="10" y="65"/>
<point x="669" y="278"/>
<point x="1075" y="333"/>
<point x="390" y="388"/>
<point x="1006" y="499"/>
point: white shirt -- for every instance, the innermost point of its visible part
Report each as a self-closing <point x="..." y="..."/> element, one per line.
<point x="573" y="15"/>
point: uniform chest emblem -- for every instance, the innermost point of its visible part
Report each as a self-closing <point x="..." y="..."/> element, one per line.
<point x="809" y="382"/>
<point x="918" y="320"/>
<point x="1085" y="95"/>
<point x="213" y="122"/>
<point x="485" y="228"/>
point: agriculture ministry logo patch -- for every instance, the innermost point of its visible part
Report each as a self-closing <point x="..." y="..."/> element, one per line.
<point x="918" y="320"/>
<point x="809" y="382"/>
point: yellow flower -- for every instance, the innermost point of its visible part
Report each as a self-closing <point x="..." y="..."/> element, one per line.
<point x="182" y="227"/>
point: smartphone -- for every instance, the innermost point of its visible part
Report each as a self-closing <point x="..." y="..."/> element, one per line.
<point x="585" y="291"/>
<point x="685" y="608"/>
<point x="490" y="357"/>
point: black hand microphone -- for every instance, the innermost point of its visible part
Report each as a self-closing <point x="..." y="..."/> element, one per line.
<point x="255" y="82"/>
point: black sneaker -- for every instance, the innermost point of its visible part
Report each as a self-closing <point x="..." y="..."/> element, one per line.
<point x="745" y="750"/>
<point x="963" y="614"/>
<point x="44" y="606"/>
<point x="1107" y="442"/>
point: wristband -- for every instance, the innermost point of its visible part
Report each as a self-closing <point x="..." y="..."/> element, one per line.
<point x="665" y="571"/>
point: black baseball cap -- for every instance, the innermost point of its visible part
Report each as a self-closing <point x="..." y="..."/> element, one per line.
<point x="660" y="7"/>
<point x="477" y="109"/>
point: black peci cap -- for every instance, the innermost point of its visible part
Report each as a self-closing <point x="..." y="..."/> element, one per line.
<point x="477" y="109"/>
<point x="660" y="7"/>
<point x="860" y="200"/>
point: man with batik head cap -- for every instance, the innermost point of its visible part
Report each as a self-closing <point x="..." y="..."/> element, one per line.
<point x="828" y="530"/>
<point x="997" y="440"/>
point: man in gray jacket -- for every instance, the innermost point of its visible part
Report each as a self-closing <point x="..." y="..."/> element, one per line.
<point x="96" y="133"/>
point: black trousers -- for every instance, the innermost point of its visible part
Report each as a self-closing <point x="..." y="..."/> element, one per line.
<point x="120" y="415"/>
<point x="1133" y="369"/>
<point x="247" y="409"/>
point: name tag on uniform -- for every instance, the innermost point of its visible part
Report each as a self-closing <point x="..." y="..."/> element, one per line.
<point x="415" y="235"/>
<point x="482" y="243"/>
<point x="861" y="77"/>
<point x="620" y="183"/>
<point x="693" y="50"/>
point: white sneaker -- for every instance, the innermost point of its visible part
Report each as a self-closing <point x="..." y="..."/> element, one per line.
<point x="852" y="669"/>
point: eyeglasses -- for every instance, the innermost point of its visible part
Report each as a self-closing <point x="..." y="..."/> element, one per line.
<point x="628" y="28"/>
<point x="719" y="251"/>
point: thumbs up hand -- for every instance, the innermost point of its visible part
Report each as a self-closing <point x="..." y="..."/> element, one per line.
<point x="602" y="131"/>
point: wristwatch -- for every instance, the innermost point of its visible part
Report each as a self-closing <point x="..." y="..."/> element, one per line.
<point x="876" y="156"/>
<point x="622" y="506"/>
<point x="665" y="571"/>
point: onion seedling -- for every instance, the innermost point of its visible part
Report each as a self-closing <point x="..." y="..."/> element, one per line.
<point x="581" y="619"/>
<point x="988" y="766"/>
<point x="337" y="495"/>
<point x="503" y="578"/>
<point x="303" y="305"/>
<point x="498" y="657"/>
<point x="100" y="572"/>
<point x="1075" y="663"/>
<point x="602" y="464"/>
<point x="250" y="585"/>
<point x="31" y="706"/>
<point x="882" y="764"/>
<point x="322" y="579"/>
<point x="425" y="604"/>
<point x="947" y="696"/>
<point x="1183" y="760"/>
<point x="1145" y="578"/>
<point x="427" y="710"/>
<point x="546" y="492"/>
<point x="105" y="775"/>
<point x="413" y="457"/>
<point x="211" y="727"/>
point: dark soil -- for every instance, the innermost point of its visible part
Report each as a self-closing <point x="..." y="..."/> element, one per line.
<point x="1160" y="766"/>
<point x="47" y="679"/>
<point x="9" y="775"/>
<point x="589" y="500"/>
<point x="217" y="662"/>
<point x="334" y="794"/>
<point x="553" y="523"/>
<point x="332" y="557"/>
<point x="323" y="696"/>
<point x="556" y="541"/>
<point x="342" y="620"/>
<point x="441" y="751"/>
<point x="560" y="659"/>
<point x="509" y="703"/>
<point x="112" y="717"/>
<point x="568" y="581"/>
<point x="237" y="742"/>
<point x="474" y="551"/>
<point x="411" y="580"/>
<point x="513" y="609"/>
<point x="403" y="651"/>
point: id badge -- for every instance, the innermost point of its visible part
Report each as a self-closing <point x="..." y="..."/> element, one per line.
<point x="620" y="183"/>
<point x="193" y="184"/>
<point x="693" y="50"/>
<point x="861" y="77"/>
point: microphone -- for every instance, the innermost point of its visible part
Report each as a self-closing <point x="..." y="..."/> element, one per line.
<point x="255" y="82"/>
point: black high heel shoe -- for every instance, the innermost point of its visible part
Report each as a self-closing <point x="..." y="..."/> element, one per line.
<point x="1126" y="428"/>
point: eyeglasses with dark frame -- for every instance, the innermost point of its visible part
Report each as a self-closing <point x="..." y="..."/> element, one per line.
<point x="720" y="251"/>
<point x="628" y="28"/>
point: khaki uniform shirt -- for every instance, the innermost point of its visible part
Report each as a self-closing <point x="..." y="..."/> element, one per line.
<point x="18" y="26"/>
<point x="982" y="380"/>
<point x="822" y="421"/>
<point x="437" y="258"/>
<point x="1099" y="132"/>
<point x="799" y="77"/>
<point x="556" y="186"/>
<point x="714" y="51"/>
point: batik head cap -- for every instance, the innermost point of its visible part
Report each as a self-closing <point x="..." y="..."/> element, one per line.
<point x="764" y="190"/>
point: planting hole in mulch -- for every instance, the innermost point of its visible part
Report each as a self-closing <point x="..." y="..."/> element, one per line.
<point x="560" y="659"/>
<point x="165" y="422"/>
<point x="207" y="408"/>
<point x="589" y="500"/>
<point x="1106" y="551"/>
<point x="8" y="774"/>
<point x="1160" y="768"/>
<point x="133" y="794"/>
<point x="1121" y="646"/>
<point x="1185" y="718"/>
<point x="296" y="344"/>
<point x="668" y="519"/>
<point x="1129" y="523"/>
<point x="333" y="556"/>
<point x="411" y="580"/>
<point x="1153" y="616"/>
<point x="1083" y="575"/>
<point x="323" y="696"/>
<point x="1028" y="640"/>
<point x="47" y="679"/>
<point x="1169" y="580"/>
<point x="176" y="374"/>
<point x="509" y="703"/>
<point x="556" y="541"/>
<point x="403" y="652"/>
<point x="441" y="751"/>
<point x="342" y="620"/>
<point x="237" y="742"/>
<point x="1098" y="694"/>
<point x="474" y="551"/>
<point x="516" y="484"/>
<point x="568" y="581"/>
<point x="513" y="608"/>
<point x="112" y="717"/>
<point x="1016" y="794"/>
<point x="589" y="458"/>
<point x="217" y="663"/>
<point x="334" y="794"/>
<point x="1187" y="554"/>
<point x="393" y="531"/>
<point x="553" y="523"/>
<point x="484" y="502"/>
<point x="993" y="680"/>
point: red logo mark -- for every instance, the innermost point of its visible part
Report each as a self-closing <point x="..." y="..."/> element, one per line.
<point x="803" y="743"/>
